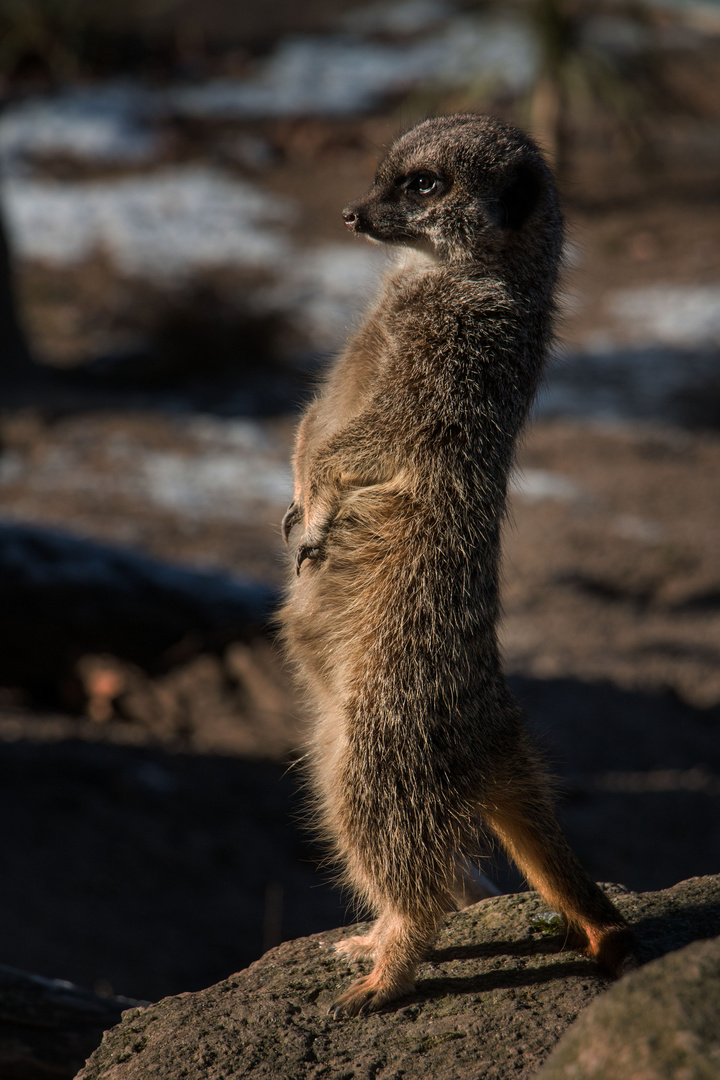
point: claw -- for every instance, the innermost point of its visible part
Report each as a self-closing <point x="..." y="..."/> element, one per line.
<point x="359" y="1005"/>
<point x="307" y="551"/>
<point x="367" y="995"/>
<point x="291" y="518"/>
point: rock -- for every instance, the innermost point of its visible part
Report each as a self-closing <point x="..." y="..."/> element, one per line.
<point x="66" y="595"/>
<point x="659" y="1023"/>
<point x="492" y="1000"/>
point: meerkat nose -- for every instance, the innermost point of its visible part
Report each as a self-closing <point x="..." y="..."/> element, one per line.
<point x="350" y="218"/>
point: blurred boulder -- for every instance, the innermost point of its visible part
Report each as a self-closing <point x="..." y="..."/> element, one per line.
<point x="49" y="1026"/>
<point x="66" y="596"/>
<point x="659" y="1022"/>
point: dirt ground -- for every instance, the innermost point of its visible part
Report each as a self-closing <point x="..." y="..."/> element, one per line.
<point x="153" y="839"/>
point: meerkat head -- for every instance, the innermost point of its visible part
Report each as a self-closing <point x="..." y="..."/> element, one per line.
<point x="462" y="188"/>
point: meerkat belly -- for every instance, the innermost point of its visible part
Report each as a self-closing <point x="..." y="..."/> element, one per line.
<point x="381" y="591"/>
<point x="368" y="608"/>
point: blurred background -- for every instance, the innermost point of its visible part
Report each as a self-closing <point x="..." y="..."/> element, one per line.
<point x="173" y="273"/>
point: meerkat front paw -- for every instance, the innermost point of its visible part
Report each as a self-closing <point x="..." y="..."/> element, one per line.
<point x="314" y="545"/>
<point x="291" y="518"/>
<point x="315" y="552"/>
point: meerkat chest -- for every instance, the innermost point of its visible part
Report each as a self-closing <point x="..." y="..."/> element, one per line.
<point x="354" y="375"/>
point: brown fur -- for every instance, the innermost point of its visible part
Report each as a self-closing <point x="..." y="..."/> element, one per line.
<point x="401" y="469"/>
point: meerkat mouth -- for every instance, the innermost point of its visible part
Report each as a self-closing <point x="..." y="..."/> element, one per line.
<point x="388" y="234"/>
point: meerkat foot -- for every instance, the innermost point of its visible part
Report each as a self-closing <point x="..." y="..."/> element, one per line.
<point x="367" y="995"/>
<point x="291" y="518"/>
<point x="612" y="947"/>
<point x="360" y="947"/>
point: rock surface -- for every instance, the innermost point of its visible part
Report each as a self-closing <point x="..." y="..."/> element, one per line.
<point x="658" y="1023"/>
<point x="492" y="1001"/>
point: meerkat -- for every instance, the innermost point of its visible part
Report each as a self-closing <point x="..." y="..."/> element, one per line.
<point x="401" y="470"/>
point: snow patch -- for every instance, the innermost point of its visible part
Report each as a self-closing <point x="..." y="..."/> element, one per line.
<point x="327" y="289"/>
<point x="101" y="123"/>
<point x="338" y="76"/>
<point x="162" y="225"/>
<point x="211" y="485"/>
<point x="228" y="470"/>
<point x="534" y="485"/>
<point x="685" y="315"/>
<point x="407" y="17"/>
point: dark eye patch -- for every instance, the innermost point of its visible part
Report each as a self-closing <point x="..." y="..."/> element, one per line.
<point x="422" y="183"/>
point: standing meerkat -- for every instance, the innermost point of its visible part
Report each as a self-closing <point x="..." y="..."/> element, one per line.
<point x="401" y="471"/>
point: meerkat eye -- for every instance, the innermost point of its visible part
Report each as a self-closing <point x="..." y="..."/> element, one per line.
<point x="422" y="183"/>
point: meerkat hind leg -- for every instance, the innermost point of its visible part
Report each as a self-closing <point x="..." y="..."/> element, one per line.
<point x="399" y="941"/>
<point x="520" y="813"/>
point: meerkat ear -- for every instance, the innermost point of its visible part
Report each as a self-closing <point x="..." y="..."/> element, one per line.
<point x="517" y="200"/>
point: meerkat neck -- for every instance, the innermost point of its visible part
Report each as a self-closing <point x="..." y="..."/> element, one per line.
<point x="411" y="261"/>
